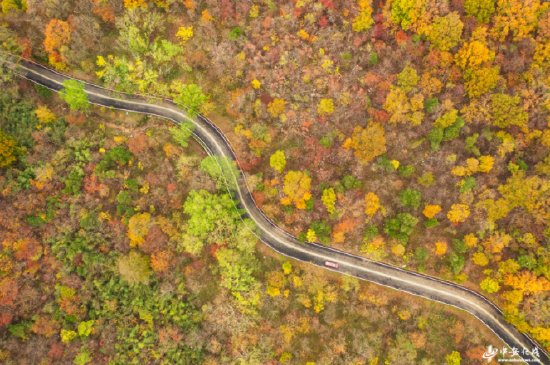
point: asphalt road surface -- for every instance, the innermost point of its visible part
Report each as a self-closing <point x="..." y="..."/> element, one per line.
<point x="216" y="144"/>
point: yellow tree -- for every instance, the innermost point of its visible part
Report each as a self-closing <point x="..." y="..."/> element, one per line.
<point x="496" y="242"/>
<point x="138" y="227"/>
<point x="44" y="115"/>
<point x="8" y="150"/>
<point x="518" y="16"/>
<point x="364" y="20"/>
<point x="407" y="13"/>
<point x="440" y="248"/>
<point x="58" y="35"/>
<point x="480" y="259"/>
<point x="296" y="189"/>
<point x="184" y="34"/>
<point x="402" y="109"/>
<point x="473" y="54"/>
<point x="445" y="32"/>
<point x="8" y="5"/>
<point x="326" y="106"/>
<point x="372" y="203"/>
<point x="329" y="199"/>
<point x="369" y="142"/>
<point x="276" y="107"/>
<point x="407" y="79"/>
<point x="132" y="4"/>
<point x="479" y="81"/>
<point x="431" y="210"/>
<point x="470" y="240"/>
<point x="278" y="160"/>
<point x="458" y="213"/>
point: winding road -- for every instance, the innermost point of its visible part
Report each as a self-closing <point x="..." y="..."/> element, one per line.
<point x="215" y="143"/>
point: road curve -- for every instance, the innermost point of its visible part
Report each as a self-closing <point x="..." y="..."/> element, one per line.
<point x="216" y="144"/>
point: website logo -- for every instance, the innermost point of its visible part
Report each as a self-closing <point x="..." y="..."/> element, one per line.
<point x="490" y="353"/>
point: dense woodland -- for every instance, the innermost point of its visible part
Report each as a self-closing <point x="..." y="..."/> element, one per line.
<point x="119" y="247"/>
<point x="414" y="132"/>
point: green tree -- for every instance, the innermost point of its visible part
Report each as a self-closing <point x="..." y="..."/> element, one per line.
<point x="322" y="230"/>
<point x="181" y="135"/>
<point x="190" y="98"/>
<point x="431" y="104"/>
<point x="19" y="121"/>
<point x="207" y="213"/>
<point x="421" y="254"/>
<point x="405" y="171"/>
<point x="456" y="262"/>
<point x="222" y="170"/>
<point x="85" y="328"/>
<point x="73" y="93"/>
<point x="400" y="227"/>
<point x="348" y="182"/>
<point x="236" y="268"/>
<point x="235" y="33"/>
<point x="118" y="155"/>
<point x="73" y="182"/>
<point x="410" y="198"/>
<point x="460" y="246"/>
<point x="370" y="232"/>
<point x="527" y="262"/>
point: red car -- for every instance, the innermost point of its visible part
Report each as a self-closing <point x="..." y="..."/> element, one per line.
<point x="331" y="264"/>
